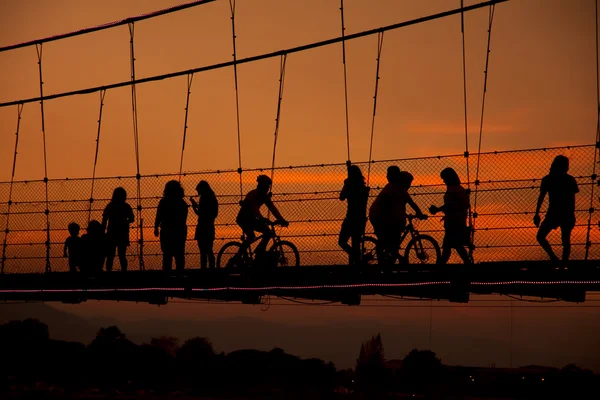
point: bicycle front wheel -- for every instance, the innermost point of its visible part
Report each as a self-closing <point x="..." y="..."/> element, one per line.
<point x="231" y="256"/>
<point x="422" y="249"/>
<point x="285" y="254"/>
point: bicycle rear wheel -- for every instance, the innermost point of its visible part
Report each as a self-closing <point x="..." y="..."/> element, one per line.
<point x="285" y="254"/>
<point x="231" y="256"/>
<point x="422" y="249"/>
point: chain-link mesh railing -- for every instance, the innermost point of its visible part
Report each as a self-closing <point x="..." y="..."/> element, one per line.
<point x="308" y="197"/>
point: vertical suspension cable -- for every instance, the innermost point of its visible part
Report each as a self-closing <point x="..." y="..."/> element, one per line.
<point x="485" y="77"/>
<point x="237" y="97"/>
<point x="39" y="49"/>
<point x="594" y="177"/>
<point x="190" y="77"/>
<point x="345" y="80"/>
<point x="102" y="94"/>
<point x="140" y="232"/>
<point x="10" y="188"/>
<point x="282" y="64"/>
<point x="379" y="48"/>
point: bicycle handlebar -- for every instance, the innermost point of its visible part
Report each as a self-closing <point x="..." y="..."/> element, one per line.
<point x="412" y="216"/>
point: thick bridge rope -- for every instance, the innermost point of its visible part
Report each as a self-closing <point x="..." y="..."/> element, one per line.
<point x="379" y="48"/>
<point x="134" y="109"/>
<point x="102" y="94"/>
<point x="10" y="188"/>
<point x="485" y="77"/>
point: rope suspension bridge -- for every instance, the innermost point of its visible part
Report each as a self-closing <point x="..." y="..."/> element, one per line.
<point x="503" y="186"/>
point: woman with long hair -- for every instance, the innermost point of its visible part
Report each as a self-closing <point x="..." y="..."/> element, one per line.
<point x="117" y="215"/>
<point x="171" y="218"/>
<point x="206" y="210"/>
<point x="356" y="192"/>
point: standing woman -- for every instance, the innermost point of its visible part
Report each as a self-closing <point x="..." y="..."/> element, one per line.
<point x="117" y="215"/>
<point x="171" y="218"/>
<point x="207" y="211"/>
<point x="356" y="192"/>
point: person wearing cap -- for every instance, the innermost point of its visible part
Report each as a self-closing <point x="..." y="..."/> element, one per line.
<point x="250" y="218"/>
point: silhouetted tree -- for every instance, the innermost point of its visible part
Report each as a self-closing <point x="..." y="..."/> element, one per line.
<point x="422" y="369"/>
<point x="196" y="360"/>
<point x="113" y="358"/>
<point x="370" y="366"/>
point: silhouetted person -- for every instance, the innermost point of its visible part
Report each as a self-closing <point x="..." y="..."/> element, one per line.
<point x="207" y="211"/>
<point x="561" y="189"/>
<point x="356" y="192"/>
<point x="72" y="248"/>
<point x="118" y="214"/>
<point x="250" y="218"/>
<point x="456" y="210"/>
<point x="388" y="213"/>
<point x="171" y="217"/>
<point x="93" y="249"/>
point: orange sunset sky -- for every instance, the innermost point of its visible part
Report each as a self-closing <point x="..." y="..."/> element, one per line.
<point x="541" y="92"/>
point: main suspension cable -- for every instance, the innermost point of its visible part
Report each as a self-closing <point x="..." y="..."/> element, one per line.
<point x="379" y="48"/>
<point x="140" y="231"/>
<point x="237" y="97"/>
<point x="190" y="77"/>
<point x="594" y="177"/>
<point x="10" y="187"/>
<point x="345" y="79"/>
<point x="39" y="50"/>
<point x="485" y="77"/>
<point x="102" y="94"/>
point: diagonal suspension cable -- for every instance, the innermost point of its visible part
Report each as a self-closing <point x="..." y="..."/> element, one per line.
<point x="282" y="65"/>
<point x="587" y="240"/>
<point x="10" y="187"/>
<point x="345" y="79"/>
<point x="190" y="77"/>
<point x="379" y="48"/>
<point x="237" y="96"/>
<point x="140" y="230"/>
<point x="485" y="77"/>
<point x="102" y="94"/>
<point x="39" y="50"/>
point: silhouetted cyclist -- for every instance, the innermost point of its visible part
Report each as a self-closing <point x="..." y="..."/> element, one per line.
<point x="207" y="211"/>
<point x="250" y="218"/>
<point x="117" y="215"/>
<point x="561" y="189"/>
<point x="356" y="192"/>
<point x="456" y="210"/>
<point x="388" y="213"/>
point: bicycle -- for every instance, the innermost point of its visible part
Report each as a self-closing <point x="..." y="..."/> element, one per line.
<point x="239" y="254"/>
<point x="421" y="249"/>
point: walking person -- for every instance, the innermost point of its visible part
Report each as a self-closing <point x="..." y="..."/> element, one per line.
<point x="561" y="189"/>
<point x="206" y="210"/>
<point x="171" y="225"/>
<point x="456" y="210"/>
<point x="116" y="218"/>
<point x="356" y="193"/>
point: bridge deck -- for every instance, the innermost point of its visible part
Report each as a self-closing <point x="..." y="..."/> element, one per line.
<point x="335" y="283"/>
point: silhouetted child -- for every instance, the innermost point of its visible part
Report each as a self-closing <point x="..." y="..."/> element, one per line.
<point x="356" y="192"/>
<point x="118" y="215"/>
<point x="388" y="213"/>
<point x="171" y="218"/>
<point x="93" y="249"/>
<point x="561" y="189"/>
<point x="207" y="211"/>
<point x="456" y="210"/>
<point x="250" y="219"/>
<point x="72" y="248"/>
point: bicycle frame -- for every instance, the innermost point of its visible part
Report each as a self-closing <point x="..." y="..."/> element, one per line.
<point x="247" y="243"/>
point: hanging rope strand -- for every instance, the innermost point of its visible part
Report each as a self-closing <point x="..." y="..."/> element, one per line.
<point x="379" y="48"/>
<point x="485" y="77"/>
<point x="39" y="50"/>
<point x="140" y="231"/>
<point x="594" y="177"/>
<point x="10" y="187"/>
<point x="190" y="77"/>
<point x="102" y="94"/>
<point x="277" y="118"/>
<point x="345" y="80"/>
<point x="237" y="97"/>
